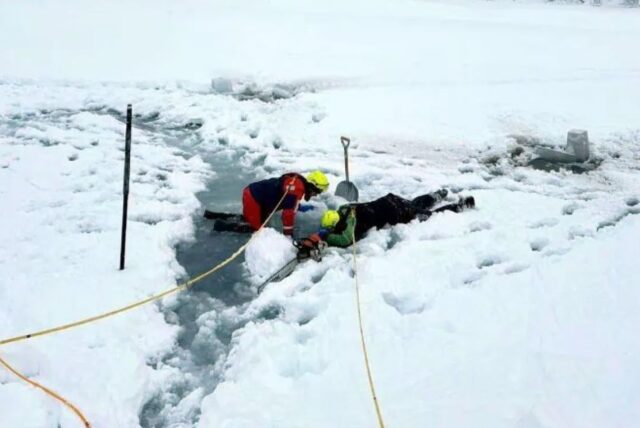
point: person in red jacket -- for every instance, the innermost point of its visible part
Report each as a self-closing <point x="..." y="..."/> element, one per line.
<point x="259" y="199"/>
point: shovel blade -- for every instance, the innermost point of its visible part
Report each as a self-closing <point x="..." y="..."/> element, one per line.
<point x="348" y="191"/>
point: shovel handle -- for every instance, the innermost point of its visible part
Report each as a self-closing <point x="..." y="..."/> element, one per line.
<point x="345" y="143"/>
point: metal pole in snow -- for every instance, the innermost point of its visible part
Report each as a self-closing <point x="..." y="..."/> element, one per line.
<point x="125" y="189"/>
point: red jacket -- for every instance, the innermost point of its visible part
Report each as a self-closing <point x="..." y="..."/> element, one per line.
<point x="268" y="193"/>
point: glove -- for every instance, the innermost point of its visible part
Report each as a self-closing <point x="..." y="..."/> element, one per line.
<point x="323" y="233"/>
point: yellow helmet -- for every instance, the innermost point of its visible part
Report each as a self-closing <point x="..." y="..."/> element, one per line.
<point x="318" y="179"/>
<point x="329" y="219"/>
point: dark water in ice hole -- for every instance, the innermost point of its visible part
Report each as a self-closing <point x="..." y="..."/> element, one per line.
<point x="201" y="352"/>
<point x="196" y="357"/>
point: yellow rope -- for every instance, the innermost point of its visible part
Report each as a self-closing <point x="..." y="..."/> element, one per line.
<point x="114" y="312"/>
<point x="47" y="391"/>
<point x="158" y="296"/>
<point x="372" y="387"/>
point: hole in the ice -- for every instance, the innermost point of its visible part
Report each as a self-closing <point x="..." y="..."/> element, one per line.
<point x="632" y="202"/>
<point x="73" y="157"/>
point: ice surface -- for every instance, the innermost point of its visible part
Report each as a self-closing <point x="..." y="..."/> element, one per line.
<point x="521" y="313"/>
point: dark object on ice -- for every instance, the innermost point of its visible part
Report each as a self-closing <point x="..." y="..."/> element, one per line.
<point x="228" y="222"/>
<point x="237" y="225"/>
<point x="310" y="247"/>
<point x="575" y="167"/>
<point x="347" y="189"/>
<point x="575" y="157"/>
<point x="358" y="219"/>
<point x="576" y="150"/>
<point x="125" y="190"/>
<point x="212" y="215"/>
<point x="555" y="155"/>
<point x="578" y="144"/>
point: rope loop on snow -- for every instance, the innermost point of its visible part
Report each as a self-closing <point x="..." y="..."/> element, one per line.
<point x="47" y="391"/>
<point x="69" y="326"/>
<point x="185" y="285"/>
<point x="372" y="387"/>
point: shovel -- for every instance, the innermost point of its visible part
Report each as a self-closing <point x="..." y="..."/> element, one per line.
<point x="347" y="189"/>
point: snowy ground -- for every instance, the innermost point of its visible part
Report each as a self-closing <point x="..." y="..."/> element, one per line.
<point x="522" y="313"/>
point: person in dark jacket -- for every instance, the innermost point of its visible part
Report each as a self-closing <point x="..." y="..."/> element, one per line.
<point x="261" y="198"/>
<point x="340" y="226"/>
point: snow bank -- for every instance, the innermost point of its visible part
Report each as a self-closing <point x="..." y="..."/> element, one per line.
<point x="268" y="250"/>
<point x="481" y="331"/>
<point x="61" y="182"/>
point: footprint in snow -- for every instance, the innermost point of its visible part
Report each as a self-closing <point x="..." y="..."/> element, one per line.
<point x="545" y="222"/>
<point x="488" y="261"/>
<point x="515" y="268"/>
<point x="579" y="232"/>
<point x="631" y="210"/>
<point x="405" y="305"/>
<point x="478" y="226"/>
<point x="569" y="209"/>
<point x="473" y="277"/>
<point x="556" y="251"/>
<point x="538" y="244"/>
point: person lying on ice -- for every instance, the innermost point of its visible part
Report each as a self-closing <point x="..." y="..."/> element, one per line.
<point x="339" y="227"/>
<point x="259" y="199"/>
